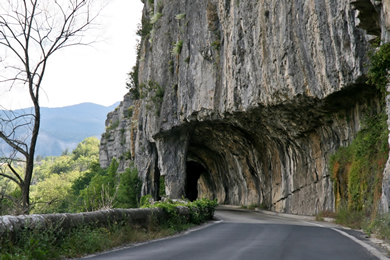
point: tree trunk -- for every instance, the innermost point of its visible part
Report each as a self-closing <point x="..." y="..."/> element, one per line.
<point x="25" y="198"/>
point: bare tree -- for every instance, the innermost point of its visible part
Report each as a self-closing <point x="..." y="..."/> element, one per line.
<point x="31" y="31"/>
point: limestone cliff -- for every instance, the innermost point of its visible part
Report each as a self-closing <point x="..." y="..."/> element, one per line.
<point x="245" y="100"/>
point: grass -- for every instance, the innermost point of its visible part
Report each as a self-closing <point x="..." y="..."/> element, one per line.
<point x="325" y="214"/>
<point x="112" y="126"/>
<point x="349" y="218"/>
<point x="380" y="226"/>
<point x="82" y="241"/>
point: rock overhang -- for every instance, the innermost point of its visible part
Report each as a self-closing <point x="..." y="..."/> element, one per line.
<point x="259" y="102"/>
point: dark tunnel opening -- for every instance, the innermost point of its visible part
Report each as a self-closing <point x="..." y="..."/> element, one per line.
<point x="157" y="183"/>
<point x="194" y="170"/>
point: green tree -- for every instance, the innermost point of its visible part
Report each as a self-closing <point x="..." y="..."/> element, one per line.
<point x="102" y="189"/>
<point x="58" y="180"/>
<point x="54" y="194"/>
<point x="87" y="148"/>
<point x="85" y="178"/>
<point x="30" y="33"/>
<point x="129" y="191"/>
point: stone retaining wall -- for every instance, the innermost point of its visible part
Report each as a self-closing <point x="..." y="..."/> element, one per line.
<point x="66" y="221"/>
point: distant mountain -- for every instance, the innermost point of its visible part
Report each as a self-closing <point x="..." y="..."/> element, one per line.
<point x="64" y="127"/>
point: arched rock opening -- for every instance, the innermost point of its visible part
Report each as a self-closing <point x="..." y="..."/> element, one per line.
<point x="194" y="171"/>
<point x="278" y="156"/>
<point x="275" y="156"/>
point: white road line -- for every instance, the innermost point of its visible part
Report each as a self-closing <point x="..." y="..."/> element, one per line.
<point x="371" y="249"/>
<point x="313" y="224"/>
<point x="152" y="241"/>
<point x="203" y="226"/>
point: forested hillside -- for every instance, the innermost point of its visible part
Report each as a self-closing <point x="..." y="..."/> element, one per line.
<point x="64" y="127"/>
<point x="74" y="182"/>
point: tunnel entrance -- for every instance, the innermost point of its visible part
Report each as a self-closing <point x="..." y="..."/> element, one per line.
<point x="194" y="170"/>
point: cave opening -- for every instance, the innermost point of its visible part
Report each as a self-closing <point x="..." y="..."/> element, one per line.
<point x="158" y="187"/>
<point x="194" y="170"/>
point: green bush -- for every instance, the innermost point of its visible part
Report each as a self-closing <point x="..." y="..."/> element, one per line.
<point x="144" y="27"/>
<point x="162" y="186"/>
<point x="112" y="126"/>
<point x="32" y="244"/>
<point x="200" y="210"/>
<point x="129" y="191"/>
<point x="349" y="218"/>
<point x="155" y="18"/>
<point x="145" y="201"/>
<point x="380" y="225"/>
<point x="177" y="47"/>
<point x="379" y="65"/>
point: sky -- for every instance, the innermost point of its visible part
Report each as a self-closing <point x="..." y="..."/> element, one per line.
<point x="96" y="73"/>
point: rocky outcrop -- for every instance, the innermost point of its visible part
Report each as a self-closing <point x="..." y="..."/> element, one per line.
<point x="257" y="96"/>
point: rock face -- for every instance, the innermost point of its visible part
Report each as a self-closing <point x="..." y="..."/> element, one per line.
<point x="257" y="96"/>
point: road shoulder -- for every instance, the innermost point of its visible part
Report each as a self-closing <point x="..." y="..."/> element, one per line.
<point x="373" y="243"/>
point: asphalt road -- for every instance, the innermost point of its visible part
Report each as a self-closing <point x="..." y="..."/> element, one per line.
<point x="247" y="235"/>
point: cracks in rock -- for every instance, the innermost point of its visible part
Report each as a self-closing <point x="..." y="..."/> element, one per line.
<point x="298" y="189"/>
<point x="257" y="155"/>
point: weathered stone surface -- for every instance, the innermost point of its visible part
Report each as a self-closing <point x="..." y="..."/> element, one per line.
<point x="261" y="94"/>
<point x="67" y="221"/>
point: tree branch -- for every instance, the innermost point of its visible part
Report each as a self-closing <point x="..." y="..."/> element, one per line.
<point x="14" y="200"/>
<point x="15" y="173"/>
<point x="13" y="145"/>
<point x="11" y="178"/>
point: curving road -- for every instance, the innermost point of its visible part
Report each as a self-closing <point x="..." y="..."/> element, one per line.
<point x="243" y="234"/>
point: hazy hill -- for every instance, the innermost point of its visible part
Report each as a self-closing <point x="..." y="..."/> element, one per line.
<point x="63" y="128"/>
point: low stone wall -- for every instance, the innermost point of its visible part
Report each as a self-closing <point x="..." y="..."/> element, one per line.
<point x="10" y="225"/>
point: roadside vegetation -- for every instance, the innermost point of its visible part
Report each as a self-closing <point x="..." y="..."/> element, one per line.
<point x="56" y="243"/>
<point x="357" y="170"/>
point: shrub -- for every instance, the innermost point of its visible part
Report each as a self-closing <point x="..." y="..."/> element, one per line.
<point x="177" y="47"/>
<point x="145" y="201"/>
<point x="144" y="27"/>
<point x="180" y="16"/>
<point x="200" y="211"/>
<point x="130" y="111"/>
<point x="350" y="218"/>
<point x="129" y="191"/>
<point x="379" y="65"/>
<point x="162" y="186"/>
<point x="112" y="126"/>
<point x="155" y="18"/>
<point x="380" y="225"/>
